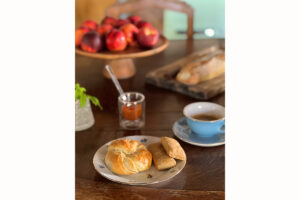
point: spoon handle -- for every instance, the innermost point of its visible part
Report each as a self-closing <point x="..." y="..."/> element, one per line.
<point x="115" y="80"/>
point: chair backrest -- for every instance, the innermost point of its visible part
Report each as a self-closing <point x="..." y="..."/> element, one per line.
<point x="135" y="5"/>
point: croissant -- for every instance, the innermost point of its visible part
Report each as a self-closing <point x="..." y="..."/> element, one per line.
<point x="125" y="157"/>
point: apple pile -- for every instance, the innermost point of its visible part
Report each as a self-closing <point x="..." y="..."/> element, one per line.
<point x="115" y="34"/>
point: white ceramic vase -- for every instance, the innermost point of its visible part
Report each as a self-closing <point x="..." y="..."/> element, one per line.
<point x="84" y="118"/>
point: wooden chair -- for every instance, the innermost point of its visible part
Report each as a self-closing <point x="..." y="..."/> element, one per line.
<point x="136" y="5"/>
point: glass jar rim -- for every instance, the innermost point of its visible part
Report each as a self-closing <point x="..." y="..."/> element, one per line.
<point x="133" y="102"/>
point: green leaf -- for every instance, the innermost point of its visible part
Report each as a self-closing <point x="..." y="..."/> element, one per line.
<point x="82" y="96"/>
<point x="82" y="100"/>
<point x="77" y="91"/>
<point x="77" y="95"/>
<point x="95" y="101"/>
<point x="82" y="90"/>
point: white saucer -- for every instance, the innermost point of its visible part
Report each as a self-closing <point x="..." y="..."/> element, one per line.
<point x="150" y="176"/>
<point x="184" y="133"/>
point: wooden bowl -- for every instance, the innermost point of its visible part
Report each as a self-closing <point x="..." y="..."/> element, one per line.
<point x="129" y="52"/>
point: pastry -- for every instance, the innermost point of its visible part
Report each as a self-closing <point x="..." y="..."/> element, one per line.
<point x="203" y="70"/>
<point x="160" y="158"/>
<point x="173" y="148"/>
<point x="125" y="157"/>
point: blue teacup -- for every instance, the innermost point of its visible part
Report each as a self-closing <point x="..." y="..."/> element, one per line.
<point x="205" y="128"/>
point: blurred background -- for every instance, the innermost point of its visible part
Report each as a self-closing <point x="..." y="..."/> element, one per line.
<point x="209" y="17"/>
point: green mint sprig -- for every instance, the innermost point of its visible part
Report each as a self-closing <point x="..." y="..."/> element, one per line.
<point x="82" y="96"/>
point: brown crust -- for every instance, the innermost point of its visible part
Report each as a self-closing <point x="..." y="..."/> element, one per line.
<point x="203" y="70"/>
<point x="127" y="146"/>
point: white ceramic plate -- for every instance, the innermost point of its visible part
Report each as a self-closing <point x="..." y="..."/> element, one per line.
<point x="183" y="132"/>
<point x="150" y="176"/>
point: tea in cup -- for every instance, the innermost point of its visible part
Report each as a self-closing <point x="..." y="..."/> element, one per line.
<point x="205" y="119"/>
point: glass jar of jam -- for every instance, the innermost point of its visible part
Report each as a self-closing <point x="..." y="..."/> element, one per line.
<point x="132" y="110"/>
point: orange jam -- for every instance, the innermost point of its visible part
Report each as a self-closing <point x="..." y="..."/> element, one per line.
<point x="132" y="112"/>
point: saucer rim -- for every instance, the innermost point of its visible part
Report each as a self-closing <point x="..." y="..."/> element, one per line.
<point x="192" y="142"/>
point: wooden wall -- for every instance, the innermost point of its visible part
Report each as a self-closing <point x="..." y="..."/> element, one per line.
<point x="90" y="9"/>
<point x="95" y="10"/>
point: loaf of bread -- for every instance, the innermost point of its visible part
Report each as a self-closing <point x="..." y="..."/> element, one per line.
<point x="160" y="158"/>
<point x="125" y="157"/>
<point x="199" y="71"/>
<point x="173" y="148"/>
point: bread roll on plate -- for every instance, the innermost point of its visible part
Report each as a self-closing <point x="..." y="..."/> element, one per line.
<point x="125" y="157"/>
<point x="160" y="158"/>
<point x="173" y="148"/>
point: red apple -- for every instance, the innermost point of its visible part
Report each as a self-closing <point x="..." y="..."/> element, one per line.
<point x="91" y="42"/>
<point x="147" y="37"/>
<point x="116" y="40"/>
<point x="104" y="29"/>
<point x="109" y="20"/>
<point x="90" y="24"/>
<point x="121" y="22"/>
<point x="79" y="34"/>
<point x="134" y="19"/>
<point x="142" y="24"/>
<point x="130" y="32"/>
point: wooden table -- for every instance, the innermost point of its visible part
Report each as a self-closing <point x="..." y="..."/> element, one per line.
<point x="203" y="176"/>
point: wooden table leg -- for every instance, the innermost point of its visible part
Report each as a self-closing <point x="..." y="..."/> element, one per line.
<point x="122" y="68"/>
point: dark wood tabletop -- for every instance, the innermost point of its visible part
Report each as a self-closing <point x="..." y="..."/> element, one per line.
<point x="203" y="176"/>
